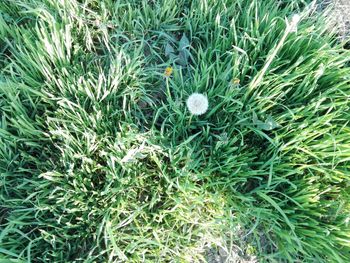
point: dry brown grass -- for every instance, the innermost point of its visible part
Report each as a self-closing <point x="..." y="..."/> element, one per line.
<point x="339" y="11"/>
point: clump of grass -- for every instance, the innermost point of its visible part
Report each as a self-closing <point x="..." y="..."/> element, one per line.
<point x="101" y="162"/>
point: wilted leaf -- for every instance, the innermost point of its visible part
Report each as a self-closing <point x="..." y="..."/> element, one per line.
<point x="134" y="154"/>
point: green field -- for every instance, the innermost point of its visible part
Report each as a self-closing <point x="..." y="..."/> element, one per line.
<point x="102" y="161"/>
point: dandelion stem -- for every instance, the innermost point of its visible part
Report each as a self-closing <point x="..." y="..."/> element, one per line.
<point x="168" y="90"/>
<point x="190" y="120"/>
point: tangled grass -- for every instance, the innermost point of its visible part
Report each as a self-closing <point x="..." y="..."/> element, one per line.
<point x="101" y="161"/>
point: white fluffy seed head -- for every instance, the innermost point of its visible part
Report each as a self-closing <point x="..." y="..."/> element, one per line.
<point x="294" y="23"/>
<point x="197" y="103"/>
<point x="295" y="19"/>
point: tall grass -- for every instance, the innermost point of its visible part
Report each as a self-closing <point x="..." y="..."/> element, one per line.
<point x="101" y="161"/>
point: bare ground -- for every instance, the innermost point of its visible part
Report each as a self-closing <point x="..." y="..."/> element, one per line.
<point x="339" y="11"/>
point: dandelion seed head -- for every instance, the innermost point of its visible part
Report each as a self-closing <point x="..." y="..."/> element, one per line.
<point x="294" y="23"/>
<point x="197" y="103"/>
<point x="296" y="19"/>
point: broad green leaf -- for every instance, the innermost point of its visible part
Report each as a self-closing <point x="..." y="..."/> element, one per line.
<point x="169" y="50"/>
<point x="184" y="42"/>
<point x="183" y="57"/>
<point x="270" y="123"/>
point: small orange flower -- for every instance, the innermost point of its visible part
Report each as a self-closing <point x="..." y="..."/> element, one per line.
<point x="168" y="71"/>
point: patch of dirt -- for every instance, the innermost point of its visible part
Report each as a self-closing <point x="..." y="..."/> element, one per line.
<point x="222" y="256"/>
<point x="339" y="12"/>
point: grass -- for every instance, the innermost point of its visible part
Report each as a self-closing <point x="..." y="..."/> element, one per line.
<point x="100" y="160"/>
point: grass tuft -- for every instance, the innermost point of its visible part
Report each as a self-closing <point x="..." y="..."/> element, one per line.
<point x="101" y="161"/>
